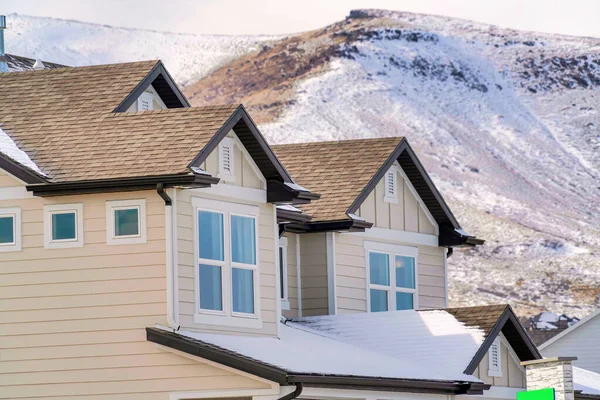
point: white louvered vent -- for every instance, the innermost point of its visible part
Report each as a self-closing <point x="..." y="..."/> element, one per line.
<point x="226" y="159"/>
<point x="495" y="359"/>
<point x="391" y="186"/>
<point x="145" y="101"/>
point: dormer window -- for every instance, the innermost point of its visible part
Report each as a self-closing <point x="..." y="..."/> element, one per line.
<point x="226" y="159"/>
<point x="495" y="359"/>
<point x="391" y="186"/>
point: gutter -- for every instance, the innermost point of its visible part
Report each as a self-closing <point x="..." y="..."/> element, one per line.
<point x="171" y="260"/>
<point x="296" y="393"/>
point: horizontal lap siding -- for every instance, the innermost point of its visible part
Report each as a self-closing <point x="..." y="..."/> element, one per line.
<point x="292" y="276"/>
<point x="268" y="288"/>
<point x="351" y="274"/>
<point x="72" y="321"/>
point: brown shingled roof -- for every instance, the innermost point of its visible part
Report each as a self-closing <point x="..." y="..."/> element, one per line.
<point x="63" y="119"/>
<point x="338" y="170"/>
<point x="483" y="317"/>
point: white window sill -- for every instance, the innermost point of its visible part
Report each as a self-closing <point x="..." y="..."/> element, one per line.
<point x="285" y="305"/>
<point x="251" y="321"/>
<point x="494" y="373"/>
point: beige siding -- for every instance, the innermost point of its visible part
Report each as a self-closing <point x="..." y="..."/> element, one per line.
<point x="7" y="180"/>
<point x="583" y="343"/>
<point x="72" y="321"/>
<point x="292" y="275"/>
<point x="513" y="375"/>
<point x="351" y="274"/>
<point x="313" y="255"/>
<point x="407" y="214"/>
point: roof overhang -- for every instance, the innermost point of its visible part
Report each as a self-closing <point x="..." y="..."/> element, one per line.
<point x="283" y="377"/>
<point x="343" y="225"/>
<point x="20" y="171"/>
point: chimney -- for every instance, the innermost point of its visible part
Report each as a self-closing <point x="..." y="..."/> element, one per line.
<point x="555" y="372"/>
<point x="3" y="64"/>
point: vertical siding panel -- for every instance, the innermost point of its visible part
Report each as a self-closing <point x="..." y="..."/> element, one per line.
<point x="411" y="211"/>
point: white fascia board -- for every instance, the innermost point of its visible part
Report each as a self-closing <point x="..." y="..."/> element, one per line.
<point x="235" y="192"/>
<point x="331" y="272"/>
<point x="398" y="236"/>
<point x="315" y="393"/>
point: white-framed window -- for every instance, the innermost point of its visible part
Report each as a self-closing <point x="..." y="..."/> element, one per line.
<point x="391" y="185"/>
<point x="226" y="273"/>
<point x="226" y="159"/>
<point x="126" y="221"/>
<point x="391" y="277"/>
<point x="495" y="359"/>
<point x="10" y="229"/>
<point x="283" y="273"/>
<point x="63" y="226"/>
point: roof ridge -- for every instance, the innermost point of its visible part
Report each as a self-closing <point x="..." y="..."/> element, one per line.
<point x="64" y="68"/>
<point x="332" y="142"/>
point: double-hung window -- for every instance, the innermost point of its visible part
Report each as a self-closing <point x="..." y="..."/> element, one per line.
<point x="226" y="263"/>
<point x="63" y="226"/>
<point x="391" y="276"/>
<point x="10" y="229"/>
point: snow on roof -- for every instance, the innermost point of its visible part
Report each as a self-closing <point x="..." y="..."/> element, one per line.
<point x="586" y="381"/>
<point x="399" y="345"/>
<point x="288" y="207"/>
<point x="9" y="148"/>
<point x="297" y="187"/>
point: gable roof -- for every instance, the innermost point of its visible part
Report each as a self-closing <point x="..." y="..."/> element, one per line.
<point x="346" y="172"/>
<point x="19" y="63"/>
<point x="572" y="328"/>
<point x="492" y="320"/>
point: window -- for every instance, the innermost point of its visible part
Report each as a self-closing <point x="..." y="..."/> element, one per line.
<point x="227" y="263"/>
<point x="391" y="277"/>
<point x="10" y="229"/>
<point x="495" y="359"/>
<point x="145" y="101"/>
<point x="283" y="273"/>
<point x="63" y="226"/>
<point x="226" y="159"/>
<point x="126" y="222"/>
<point x="391" y="186"/>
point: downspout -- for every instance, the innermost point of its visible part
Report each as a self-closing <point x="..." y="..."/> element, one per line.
<point x="170" y="255"/>
<point x="3" y="64"/>
<point x="294" y="394"/>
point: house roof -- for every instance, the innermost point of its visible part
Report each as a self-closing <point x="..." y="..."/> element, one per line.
<point x="586" y="381"/>
<point x="420" y="348"/>
<point x="19" y="63"/>
<point x="572" y="328"/>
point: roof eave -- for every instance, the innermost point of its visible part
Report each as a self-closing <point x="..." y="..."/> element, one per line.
<point x="20" y="171"/>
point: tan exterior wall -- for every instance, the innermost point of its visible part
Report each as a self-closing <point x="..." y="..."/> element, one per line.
<point x="513" y="375"/>
<point x="292" y="275"/>
<point x="72" y="321"/>
<point x="351" y="273"/>
<point x="406" y="215"/>
<point x="313" y="270"/>
<point x="7" y="180"/>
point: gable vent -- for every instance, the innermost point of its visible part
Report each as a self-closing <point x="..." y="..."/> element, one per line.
<point x="391" y="186"/>
<point x="495" y="359"/>
<point x="226" y="160"/>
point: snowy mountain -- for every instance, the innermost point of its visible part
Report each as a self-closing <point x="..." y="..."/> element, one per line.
<point x="74" y="43"/>
<point x="506" y="122"/>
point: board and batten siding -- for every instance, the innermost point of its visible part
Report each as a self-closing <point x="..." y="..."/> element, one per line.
<point x="513" y="374"/>
<point x="583" y="343"/>
<point x="246" y="176"/>
<point x="313" y="274"/>
<point x="292" y="274"/>
<point x="72" y="321"/>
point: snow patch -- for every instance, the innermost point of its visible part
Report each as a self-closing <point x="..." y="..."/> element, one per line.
<point x="10" y="149"/>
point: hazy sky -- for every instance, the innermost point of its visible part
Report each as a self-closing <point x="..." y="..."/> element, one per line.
<point x="572" y="17"/>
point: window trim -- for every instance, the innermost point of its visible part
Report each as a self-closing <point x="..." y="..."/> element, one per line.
<point x="223" y="174"/>
<point x="227" y="317"/>
<point x="386" y="193"/>
<point x="51" y="209"/>
<point x="15" y="212"/>
<point x="392" y="250"/>
<point x="284" y="297"/>
<point x="113" y="205"/>
<point x="495" y="371"/>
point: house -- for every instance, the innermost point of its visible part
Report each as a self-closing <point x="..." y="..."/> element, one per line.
<point x="581" y="340"/>
<point x="154" y="250"/>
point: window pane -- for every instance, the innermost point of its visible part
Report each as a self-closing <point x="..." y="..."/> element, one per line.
<point x="379" y="300"/>
<point x="281" y="273"/>
<point x="405" y="272"/>
<point x="379" y="267"/>
<point x="242" y="290"/>
<point x="7" y="232"/>
<point x="210" y="288"/>
<point x="243" y="240"/>
<point x="63" y="226"/>
<point x="127" y="222"/>
<point x="210" y="235"/>
<point x="404" y="301"/>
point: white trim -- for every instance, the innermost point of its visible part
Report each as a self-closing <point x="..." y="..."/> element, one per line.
<point x="51" y="209"/>
<point x="111" y="206"/>
<point x="569" y="329"/>
<point x="419" y="200"/>
<point x="299" y="275"/>
<point x="171" y="261"/>
<point x="15" y="213"/>
<point x="236" y="192"/>
<point x="155" y="93"/>
<point x="15" y="193"/>
<point x="227" y="142"/>
<point x="495" y="370"/>
<point x="217" y="393"/>
<point x="276" y="249"/>
<point x="392" y="250"/>
<point x="249" y="158"/>
<point x="283" y="248"/>
<point x="398" y="236"/>
<point x="446" y="278"/>
<point x="512" y="353"/>
<point x="331" y="272"/>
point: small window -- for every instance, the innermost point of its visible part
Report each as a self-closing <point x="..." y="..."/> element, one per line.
<point x="145" y="101"/>
<point x="283" y="273"/>
<point x="126" y="222"/>
<point x="495" y="359"/>
<point x="63" y="225"/>
<point x="391" y="277"/>
<point x="226" y="159"/>
<point x="391" y="186"/>
<point x="10" y="229"/>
